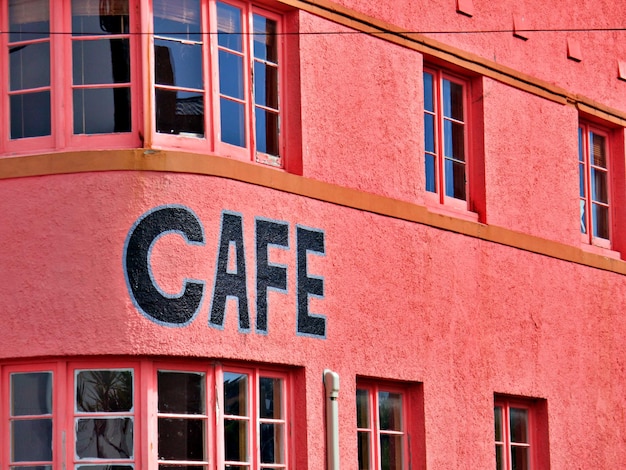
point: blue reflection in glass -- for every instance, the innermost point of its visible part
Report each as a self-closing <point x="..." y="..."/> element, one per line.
<point x="429" y="133"/>
<point x="30" y="66"/>
<point x="30" y="115"/>
<point x="430" y="173"/>
<point x="232" y="122"/>
<point x="231" y="75"/>
<point x="177" y="20"/>
<point x="229" y="27"/>
<point x="178" y="64"/>
<point x="428" y="92"/>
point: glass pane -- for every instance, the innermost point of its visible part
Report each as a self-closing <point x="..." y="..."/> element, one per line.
<point x="179" y="112"/>
<point x="362" y="409"/>
<point x="104" y="467"/>
<point x="235" y="394"/>
<point x="231" y="75"/>
<point x="455" y="179"/>
<point x="229" y="27"/>
<point x="266" y="123"/>
<point x="266" y="85"/>
<point x="581" y="155"/>
<point x="271" y="442"/>
<point x="31" y="440"/>
<point x="29" y="19"/>
<point x="499" y="457"/>
<point x="232" y="122"/>
<point x="31" y="393"/>
<point x="430" y="173"/>
<point x="181" y="439"/>
<point x="236" y="440"/>
<point x="598" y="150"/>
<point x="89" y="17"/>
<point x="102" y="110"/>
<point x="178" y="64"/>
<point x="102" y="61"/>
<point x="104" y="438"/>
<point x="497" y="419"/>
<point x="30" y="66"/>
<point x="178" y="20"/>
<point x="583" y="216"/>
<point x="429" y="133"/>
<point x="452" y="100"/>
<point x="454" y="140"/>
<point x="519" y="425"/>
<point x="428" y="92"/>
<point x="390" y="452"/>
<point x="270" y="398"/>
<point x="181" y="392"/>
<point x="265" y="39"/>
<point x="32" y="467"/>
<point x="236" y="467"/>
<point x="364" y="450"/>
<point x="519" y="458"/>
<point x="182" y="467"/>
<point x="390" y="411"/>
<point x="581" y="180"/>
<point x="109" y="391"/>
<point x="30" y="115"/>
<point x="600" y="221"/>
<point x="599" y="186"/>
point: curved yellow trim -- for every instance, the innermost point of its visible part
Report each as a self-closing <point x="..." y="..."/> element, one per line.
<point x="258" y="175"/>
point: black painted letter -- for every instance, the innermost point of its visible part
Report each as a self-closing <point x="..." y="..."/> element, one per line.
<point x="309" y="241"/>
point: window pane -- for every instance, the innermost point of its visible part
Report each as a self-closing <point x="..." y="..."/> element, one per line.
<point x="452" y="100"/>
<point x="390" y="411"/>
<point x="89" y="17"/>
<point x="455" y="179"/>
<point x="231" y="75"/>
<point x="178" y="64"/>
<point x="519" y="458"/>
<point x="229" y="27"/>
<point x="30" y="467"/>
<point x="429" y="133"/>
<point x="583" y="216"/>
<point x="430" y="173"/>
<point x="29" y="19"/>
<point x="499" y="457"/>
<point x="30" y="66"/>
<point x="104" y="391"/>
<point x="271" y="443"/>
<point x="600" y="221"/>
<point x="181" y="392"/>
<point x="101" y="110"/>
<point x="265" y="39"/>
<point x="581" y="180"/>
<point x="31" y="440"/>
<point x="266" y="85"/>
<point x="102" y="61"/>
<point x="179" y="112"/>
<point x="266" y="123"/>
<point x="178" y="20"/>
<point x="428" y="92"/>
<point x="362" y="409"/>
<point x="235" y="394"/>
<point x="390" y="452"/>
<point x="104" y="438"/>
<point x="598" y="150"/>
<point x="30" y="115"/>
<point x="599" y="186"/>
<point x="497" y="415"/>
<point x="232" y="122"/>
<point x="270" y="398"/>
<point x="104" y="467"/>
<point x="454" y="140"/>
<point x="519" y="425"/>
<point x="181" y="439"/>
<point x="364" y="450"/>
<point x="182" y="467"/>
<point x="236" y="440"/>
<point x="581" y="144"/>
<point x="31" y="393"/>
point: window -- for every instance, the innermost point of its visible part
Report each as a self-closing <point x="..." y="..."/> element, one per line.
<point x="87" y="416"/>
<point x="445" y="137"/>
<point x="594" y="178"/>
<point x="381" y="427"/>
<point x="521" y="433"/>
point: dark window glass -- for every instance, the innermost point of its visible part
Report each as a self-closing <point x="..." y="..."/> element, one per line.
<point x="179" y="112"/>
<point x="235" y="440"/>
<point x="390" y="452"/>
<point x="600" y="221"/>
<point x="271" y="443"/>
<point x="265" y="39"/>
<point x="431" y="174"/>
<point x="390" y="411"/>
<point x="229" y="27"/>
<point x="231" y="75"/>
<point x="30" y="66"/>
<point x="266" y="85"/>
<point x="29" y="20"/>
<point x="31" y="393"/>
<point x="102" y="110"/>
<point x="110" y="438"/>
<point x="181" y="439"/>
<point x="428" y="93"/>
<point x="31" y="440"/>
<point x="30" y="115"/>
<point x="101" y="61"/>
<point x="232" y="120"/>
<point x="95" y="18"/>
<point x="270" y="393"/>
<point x="178" y="64"/>
<point x="177" y="20"/>
<point x="104" y="391"/>
<point x="452" y="100"/>
<point x="519" y="425"/>
<point x="267" y="132"/>
<point x="181" y="392"/>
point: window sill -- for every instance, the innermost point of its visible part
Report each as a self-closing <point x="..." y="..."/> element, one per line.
<point x="600" y="250"/>
<point x="452" y="208"/>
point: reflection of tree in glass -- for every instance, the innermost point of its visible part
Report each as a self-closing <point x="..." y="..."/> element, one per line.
<point x="104" y="391"/>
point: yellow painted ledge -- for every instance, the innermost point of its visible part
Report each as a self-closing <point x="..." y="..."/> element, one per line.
<point x="208" y="165"/>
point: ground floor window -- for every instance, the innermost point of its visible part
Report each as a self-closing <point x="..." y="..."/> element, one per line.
<point x="145" y="414"/>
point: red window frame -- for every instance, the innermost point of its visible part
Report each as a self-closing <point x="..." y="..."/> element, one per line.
<point x="440" y="118"/>
<point x="369" y="431"/>
<point x="507" y="434"/>
<point x="596" y="206"/>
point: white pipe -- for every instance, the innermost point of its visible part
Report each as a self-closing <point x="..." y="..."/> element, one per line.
<point x="331" y="383"/>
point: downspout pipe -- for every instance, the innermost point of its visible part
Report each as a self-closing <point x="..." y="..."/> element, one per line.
<point x="331" y="384"/>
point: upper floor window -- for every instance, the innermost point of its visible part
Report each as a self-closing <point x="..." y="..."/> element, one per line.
<point x="594" y="183"/>
<point x="445" y="136"/>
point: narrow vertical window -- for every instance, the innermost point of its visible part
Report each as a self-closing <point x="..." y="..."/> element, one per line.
<point x="104" y="419"/>
<point x="31" y="420"/>
<point x="593" y="167"/>
<point x="101" y="67"/>
<point x="272" y="423"/>
<point x="29" y="68"/>
<point x="445" y="135"/>
<point x="182" y="420"/>
<point x="512" y="436"/>
<point x="179" y="82"/>
<point x="380" y="429"/>
<point x="236" y="420"/>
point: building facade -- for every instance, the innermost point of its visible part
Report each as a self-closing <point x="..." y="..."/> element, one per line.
<point x="307" y="234"/>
